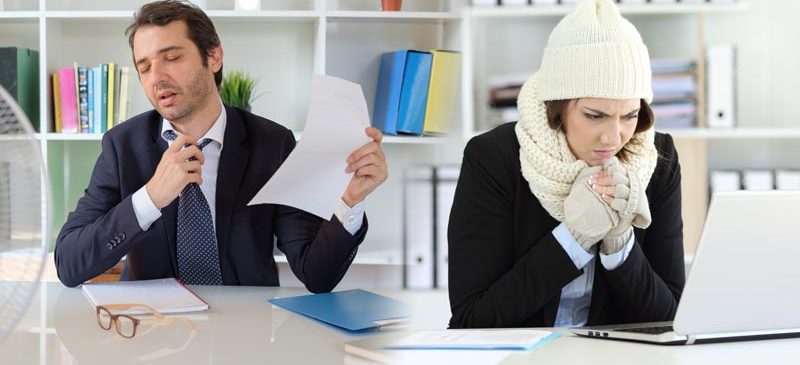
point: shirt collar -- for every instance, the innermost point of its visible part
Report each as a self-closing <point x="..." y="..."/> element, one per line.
<point x="216" y="133"/>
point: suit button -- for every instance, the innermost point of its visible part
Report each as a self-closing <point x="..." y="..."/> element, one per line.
<point x="110" y="246"/>
<point x="122" y="236"/>
<point x="117" y="241"/>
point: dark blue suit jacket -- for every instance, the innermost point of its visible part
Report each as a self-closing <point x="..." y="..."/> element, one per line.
<point x="103" y="228"/>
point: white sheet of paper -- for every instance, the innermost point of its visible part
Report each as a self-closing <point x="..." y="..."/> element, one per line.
<point x="471" y="339"/>
<point x="312" y="178"/>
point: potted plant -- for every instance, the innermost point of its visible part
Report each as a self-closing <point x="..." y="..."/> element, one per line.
<point x="237" y="89"/>
<point x="391" y="5"/>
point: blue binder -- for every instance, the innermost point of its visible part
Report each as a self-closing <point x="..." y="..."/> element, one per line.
<point x="414" y="92"/>
<point x="353" y="310"/>
<point x="387" y="94"/>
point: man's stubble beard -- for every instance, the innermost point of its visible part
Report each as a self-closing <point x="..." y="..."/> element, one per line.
<point x="196" y="95"/>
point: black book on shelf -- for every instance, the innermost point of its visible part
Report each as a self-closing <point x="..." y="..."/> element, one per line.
<point x="19" y="75"/>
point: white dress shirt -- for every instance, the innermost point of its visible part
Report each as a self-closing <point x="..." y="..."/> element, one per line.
<point x="146" y="212"/>
<point x="576" y="297"/>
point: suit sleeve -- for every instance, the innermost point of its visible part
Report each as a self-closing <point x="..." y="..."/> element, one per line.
<point x="490" y="285"/>
<point x="319" y="252"/>
<point x="103" y="227"/>
<point x="648" y="285"/>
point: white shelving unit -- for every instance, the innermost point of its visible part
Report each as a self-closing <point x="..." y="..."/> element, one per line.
<point x="493" y="28"/>
<point x="512" y="38"/>
<point x="283" y="45"/>
<point x="734" y="133"/>
<point x="289" y="40"/>
<point x="625" y="9"/>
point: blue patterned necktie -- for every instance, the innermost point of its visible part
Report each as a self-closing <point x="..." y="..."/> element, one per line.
<point x="198" y="254"/>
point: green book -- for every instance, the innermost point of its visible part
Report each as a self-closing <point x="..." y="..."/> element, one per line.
<point x="19" y="75"/>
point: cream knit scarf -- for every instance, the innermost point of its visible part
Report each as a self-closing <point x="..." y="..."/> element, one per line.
<point x="547" y="162"/>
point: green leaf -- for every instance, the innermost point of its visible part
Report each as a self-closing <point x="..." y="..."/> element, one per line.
<point x="237" y="89"/>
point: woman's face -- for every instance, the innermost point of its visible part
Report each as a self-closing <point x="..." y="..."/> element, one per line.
<point x="597" y="129"/>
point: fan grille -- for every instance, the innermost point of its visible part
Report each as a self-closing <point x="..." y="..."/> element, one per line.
<point x="22" y="249"/>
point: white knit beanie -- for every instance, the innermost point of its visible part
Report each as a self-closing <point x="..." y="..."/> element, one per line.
<point x="595" y="52"/>
<point x="592" y="52"/>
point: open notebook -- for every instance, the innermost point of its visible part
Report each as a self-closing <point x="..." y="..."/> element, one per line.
<point x="164" y="295"/>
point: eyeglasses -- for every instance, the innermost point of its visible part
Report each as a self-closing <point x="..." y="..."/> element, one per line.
<point x="126" y="324"/>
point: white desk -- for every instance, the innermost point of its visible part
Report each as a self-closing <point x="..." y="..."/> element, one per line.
<point x="242" y="328"/>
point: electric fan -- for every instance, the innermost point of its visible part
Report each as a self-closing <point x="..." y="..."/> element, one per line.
<point x="23" y="199"/>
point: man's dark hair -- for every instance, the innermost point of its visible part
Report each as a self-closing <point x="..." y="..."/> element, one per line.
<point x="200" y="28"/>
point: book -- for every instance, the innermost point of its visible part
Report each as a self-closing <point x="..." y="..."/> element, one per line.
<point x="110" y="102"/>
<point x="67" y="90"/>
<point x="352" y="310"/>
<point x="83" y="99"/>
<point x="90" y="98"/>
<point x="124" y="95"/>
<point x="387" y="93"/>
<point x="98" y="104"/>
<point x="164" y="295"/>
<point x="414" y="92"/>
<point x="117" y="77"/>
<point x="19" y="75"/>
<point x="442" y="91"/>
<point x="104" y="98"/>
<point x="77" y="95"/>
<point x="56" y="104"/>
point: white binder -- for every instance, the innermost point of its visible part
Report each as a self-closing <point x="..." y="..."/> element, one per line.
<point x="721" y="85"/>
<point x="447" y="179"/>
<point x="418" y="228"/>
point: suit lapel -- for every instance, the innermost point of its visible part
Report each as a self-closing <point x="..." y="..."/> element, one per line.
<point x="169" y="214"/>
<point x="232" y="165"/>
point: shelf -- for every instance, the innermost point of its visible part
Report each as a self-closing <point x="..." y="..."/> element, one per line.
<point x="414" y="140"/>
<point x="277" y="15"/>
<point x="400" y="139"/>
<point x="389" y="257"/>
<point x="733" y="133"/>
<point x="74" y="136"/>
<point x="17" y="137"/>
<point x="632" y="9"/>
<point x="96" y="15"/>
<point x="216" y="15"/>
<point x="19" y="15"/>
<point x="391" y="15"/>
<point x="724" y="133"/>
<point x="386" y="139"/>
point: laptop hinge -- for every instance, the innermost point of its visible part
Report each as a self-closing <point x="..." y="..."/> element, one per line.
<point x="690" y="339"/>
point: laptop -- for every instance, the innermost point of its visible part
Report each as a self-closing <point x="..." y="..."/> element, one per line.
<point x="744" y="283"/>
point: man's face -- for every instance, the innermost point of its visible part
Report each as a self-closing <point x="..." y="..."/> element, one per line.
<point x="171" y="70"/>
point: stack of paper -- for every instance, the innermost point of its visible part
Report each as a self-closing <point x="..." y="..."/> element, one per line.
<point x="474" y="339"/>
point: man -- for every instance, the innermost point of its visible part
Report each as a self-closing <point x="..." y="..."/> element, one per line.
<point x="171" y="186"/>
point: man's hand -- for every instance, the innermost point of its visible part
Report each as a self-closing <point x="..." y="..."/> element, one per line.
<point x="369" y="166"/>
<point x="179" y="167"/>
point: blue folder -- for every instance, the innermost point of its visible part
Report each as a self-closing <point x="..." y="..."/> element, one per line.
<point x="353" y="310"/>
<point x="414" y="92"/>
<point x="387" y="94"/>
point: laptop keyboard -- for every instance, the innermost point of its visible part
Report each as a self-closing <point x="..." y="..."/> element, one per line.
<point x="657" y="330"/>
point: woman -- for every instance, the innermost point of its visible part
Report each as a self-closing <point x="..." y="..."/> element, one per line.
<point x="571" y="216"/>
